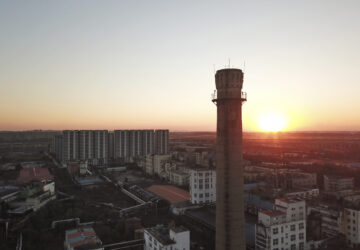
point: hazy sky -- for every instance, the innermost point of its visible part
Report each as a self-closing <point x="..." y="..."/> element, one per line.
<point x="150" y="64"/>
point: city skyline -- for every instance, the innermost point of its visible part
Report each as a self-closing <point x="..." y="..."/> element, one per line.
<point x="89" y="65"/>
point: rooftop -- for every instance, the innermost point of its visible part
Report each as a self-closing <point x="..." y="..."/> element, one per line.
<point x="7" y="189"/>
<point x="90" y="180"/>
<point x="179" y="229"/>
<point x="272" y="213"/>
<point x="170" y="193"/>
<point x="179" y="172"/>
<point x="31" y="174"/>
<point x="337" y="177"/>
<point x="161" y="234"/>
<point x="289" y="199"/>
<point x="82" y="236"/>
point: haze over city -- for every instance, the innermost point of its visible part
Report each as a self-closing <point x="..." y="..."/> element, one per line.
<point x="140" y="64"/>
<point x="179" y="125"/>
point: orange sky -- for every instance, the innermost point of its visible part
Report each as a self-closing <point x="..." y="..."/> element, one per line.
<point x="129" y="64"/>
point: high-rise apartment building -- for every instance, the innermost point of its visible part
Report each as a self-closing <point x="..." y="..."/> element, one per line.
<point x="57" y="146"/>
<point x="97" y="146"/>
<point x="90" y="145"/>
<point x="282" y="228"/>
<point x="162" y="142"/>
<point x="111" y="145"/>
<point x="132" y="143"/>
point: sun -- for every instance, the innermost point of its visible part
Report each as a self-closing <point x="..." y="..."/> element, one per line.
<point x="272" y="122"/>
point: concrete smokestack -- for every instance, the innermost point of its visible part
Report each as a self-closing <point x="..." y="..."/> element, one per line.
<point x="230" y="220"/>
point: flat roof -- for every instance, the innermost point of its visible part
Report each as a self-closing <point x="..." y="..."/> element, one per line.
<point x="170" y="193"/>
<point x="179" y="229"/>
<point x="31" y="174"/>
<point x="290" y="200"/>
<point x="82" y="236"/>
<point x="161" y="234"/>
<point x="272" y="213"/>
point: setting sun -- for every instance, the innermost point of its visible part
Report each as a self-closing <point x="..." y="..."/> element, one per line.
<point x="272" y="122"/>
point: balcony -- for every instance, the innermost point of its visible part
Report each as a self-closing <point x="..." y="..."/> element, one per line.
<point x="214" y="96"/>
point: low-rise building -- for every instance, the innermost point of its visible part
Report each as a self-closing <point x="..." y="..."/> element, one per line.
<point x="155" y="164"/>
<point x="202" y="186"/>
<point x="337" y="183"/>
<point x="282" y="228"/>
<point x="82" y="238"/>
<point x="351" y="221"/>
<point x="328" y="218"/>
<point x="34" y="196"/>
<point x="178" y="177"/>
<point x="161" y="237"/>
<point x="303" y="193"/>
<point x="300" y="179"/>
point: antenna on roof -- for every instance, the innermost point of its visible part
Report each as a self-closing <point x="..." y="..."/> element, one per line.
<point x="229" y="63"/>
<point x="244" y="66"/>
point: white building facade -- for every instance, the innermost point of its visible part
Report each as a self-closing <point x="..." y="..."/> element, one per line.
<point x="162" y="141"/>
<point x="202" y="186"/>
<point x="282" y="228"/>
<point x="90" y="145"/>
<point x="160" y="237"/>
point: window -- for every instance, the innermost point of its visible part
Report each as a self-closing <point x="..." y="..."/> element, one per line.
<point x="301" y="225"/>
<point x="301" y="236"/>
<point x="275" y="230"/>
<point x="275" y="241"/>
<point x="292" y="227"/>
<point x="301" y="246"/>
<point x="293" y="237"/>
<point x="293" y="247"/>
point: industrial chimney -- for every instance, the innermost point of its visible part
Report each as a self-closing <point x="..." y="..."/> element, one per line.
<point x="230" y="220"/>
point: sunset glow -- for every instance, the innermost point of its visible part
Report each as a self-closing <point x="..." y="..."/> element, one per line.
<point x="130" y="64"/>
<point x="272" y="122"/>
